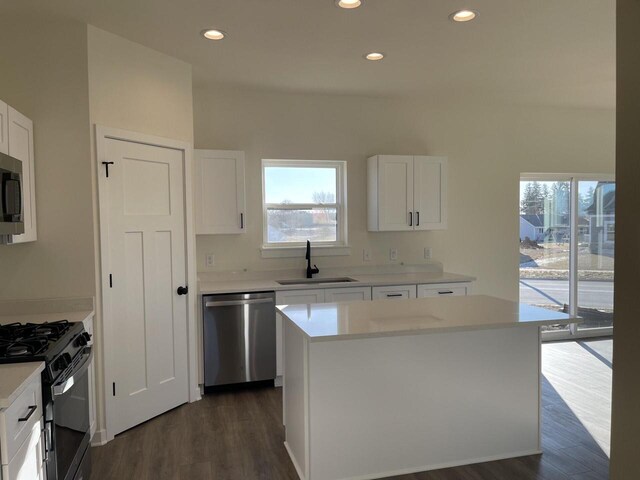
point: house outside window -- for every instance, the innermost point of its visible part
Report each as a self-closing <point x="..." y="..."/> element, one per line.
<point x="304" y="200"/>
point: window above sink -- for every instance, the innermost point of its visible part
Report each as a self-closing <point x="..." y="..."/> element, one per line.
<point x="304" y="200"/>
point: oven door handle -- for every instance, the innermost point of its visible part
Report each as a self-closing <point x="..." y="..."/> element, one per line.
<point x="62" y="387"/>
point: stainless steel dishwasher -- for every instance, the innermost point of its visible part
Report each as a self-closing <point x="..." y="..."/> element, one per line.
<point x="239" y="338"/>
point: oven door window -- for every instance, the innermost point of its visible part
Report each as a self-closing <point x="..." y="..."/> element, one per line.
<point x="71" y="414"/>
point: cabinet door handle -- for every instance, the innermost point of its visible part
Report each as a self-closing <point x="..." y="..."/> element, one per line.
<point x="447" y="292"/>
<point x="394" y="295"/>
<point x="32" y="409"/>
<point x="242" y="221"/>
<point x="411" y="219"/>
<point x="417" y="219"/>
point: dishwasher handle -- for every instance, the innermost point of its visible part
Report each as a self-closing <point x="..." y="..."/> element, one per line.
<point x="233" y="303"/>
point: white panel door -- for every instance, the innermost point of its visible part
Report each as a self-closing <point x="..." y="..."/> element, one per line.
<point x="21" y="147"/>
<point x="220" y="192"/>
<point x="4" y="126"/>
<point x="429" y="175"/>
<point x="148" y="319"/>
<point x="395" y="191"/>
<point x="393" y="292"/>
<point x="349" y="294"/>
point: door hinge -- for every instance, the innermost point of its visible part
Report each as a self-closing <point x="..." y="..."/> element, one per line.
<point x="114" y="389"/>
<point x="110" y="281"/>
<point x="106" y="164"/>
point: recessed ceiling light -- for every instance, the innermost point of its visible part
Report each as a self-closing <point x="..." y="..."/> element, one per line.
<point x="213" y="34"/>
<point x="463" y="15"/>
<point x="348" y="4"/>
<point x="374" y="56"/>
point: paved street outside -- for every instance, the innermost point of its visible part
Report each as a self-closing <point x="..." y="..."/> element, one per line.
<point x="591" y="294"/>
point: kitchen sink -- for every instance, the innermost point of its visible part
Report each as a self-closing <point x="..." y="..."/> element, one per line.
<point x="315" y="281"/>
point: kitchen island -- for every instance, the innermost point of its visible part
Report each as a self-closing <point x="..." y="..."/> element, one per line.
<point x="382" y="388"/>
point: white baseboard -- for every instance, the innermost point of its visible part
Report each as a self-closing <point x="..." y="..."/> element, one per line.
<point x="99" y="438"/>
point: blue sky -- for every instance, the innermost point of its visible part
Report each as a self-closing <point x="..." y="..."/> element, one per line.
<point x="297" y="184"/>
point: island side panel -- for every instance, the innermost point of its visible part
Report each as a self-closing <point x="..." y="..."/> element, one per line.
<point x="391" y="405"/>
<point x="296" y="397"/>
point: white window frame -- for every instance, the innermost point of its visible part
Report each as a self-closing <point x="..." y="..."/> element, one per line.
<point x="574" y="179"/>
<point x="294" y="249"/>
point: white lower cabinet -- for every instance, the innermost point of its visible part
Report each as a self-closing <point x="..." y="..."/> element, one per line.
<point x="28" y="461"/>
<point x="21" y="437"/>
<point x="444" y="289"/>
<point x="394" y="292"/>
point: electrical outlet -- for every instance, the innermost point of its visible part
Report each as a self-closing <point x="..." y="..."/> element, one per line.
<point x="366" y="255"/>
<point x="211" y="260"/>
<point x="393" y="254"/>
<point x="427" y="253"/>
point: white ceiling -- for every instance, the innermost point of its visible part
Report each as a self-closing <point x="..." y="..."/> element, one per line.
<point x="559" y="52"/>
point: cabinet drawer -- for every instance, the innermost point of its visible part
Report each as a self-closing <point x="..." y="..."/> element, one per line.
<point x="394" y="292"/>
<point x="18" y="419"/>
<point x="350" y="294"/>
<point x="443" y="289"/>
<point x="296" y="297"/>
<point x="27" y="463"/>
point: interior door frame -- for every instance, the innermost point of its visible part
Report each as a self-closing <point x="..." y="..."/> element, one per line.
<point x="102" y="135"/>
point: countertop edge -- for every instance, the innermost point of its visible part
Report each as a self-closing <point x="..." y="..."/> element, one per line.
<point x="6" y="402"/>
<point x="428" y="331"/>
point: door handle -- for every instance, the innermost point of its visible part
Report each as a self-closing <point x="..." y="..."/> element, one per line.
<point x="242" y="221"/>
<point x="233" y="303"/>
<point x="32" y="409"/>
<point x="411" y="219"/>
<point x="448" y="292"/>
<point x="394" y="295"/>
<point x="182" y="290"/>
<point x="417" y="219"/>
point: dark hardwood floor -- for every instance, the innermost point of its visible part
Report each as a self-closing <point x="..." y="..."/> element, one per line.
<point x="238" y="435"/>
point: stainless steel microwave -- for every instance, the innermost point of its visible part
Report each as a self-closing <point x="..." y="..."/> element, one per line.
<point x="11" y="219"/>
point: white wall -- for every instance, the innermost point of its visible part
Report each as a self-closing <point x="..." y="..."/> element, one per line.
<point x="625" y="429"/>
<point x="488" y="147"/>
<point x="134" y="88"/>
<point x="43" y="65"/>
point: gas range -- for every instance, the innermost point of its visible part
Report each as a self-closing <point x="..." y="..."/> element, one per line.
<point x="65" y="349"/>
<point x="55" y="343"/>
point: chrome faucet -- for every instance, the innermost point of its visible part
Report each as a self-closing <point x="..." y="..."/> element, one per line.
<point x="315" y="269"/>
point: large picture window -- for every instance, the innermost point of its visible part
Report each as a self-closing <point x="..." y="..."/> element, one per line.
<point x="304" y="200"/>
<point x="567" y="230"/>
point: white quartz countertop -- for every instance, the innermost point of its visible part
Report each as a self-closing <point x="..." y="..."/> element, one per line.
<point x="341" y="321"/>
<point x="14" y="378"/>
<point x="360" y="280"/>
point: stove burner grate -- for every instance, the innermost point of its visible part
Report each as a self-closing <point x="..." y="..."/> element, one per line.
<point x="26" y="340"/>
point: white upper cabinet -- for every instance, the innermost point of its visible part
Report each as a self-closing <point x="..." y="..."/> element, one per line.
<point x="406" y="192"/>
<point x="20" y="136"/>
<point x="220" y="192"/>
<point x="4" y="127"/>
<point x="429" y="181"/>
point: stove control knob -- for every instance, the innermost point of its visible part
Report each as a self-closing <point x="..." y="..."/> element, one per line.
<point x="63" y="362"/>
<point x="81" y="341"/>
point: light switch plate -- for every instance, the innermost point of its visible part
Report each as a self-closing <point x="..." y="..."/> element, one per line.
<point x="211" y="260"/>
<point x="366" y="255"/>
<point x="393" y="254"/>
<point x="427" y="253"/>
